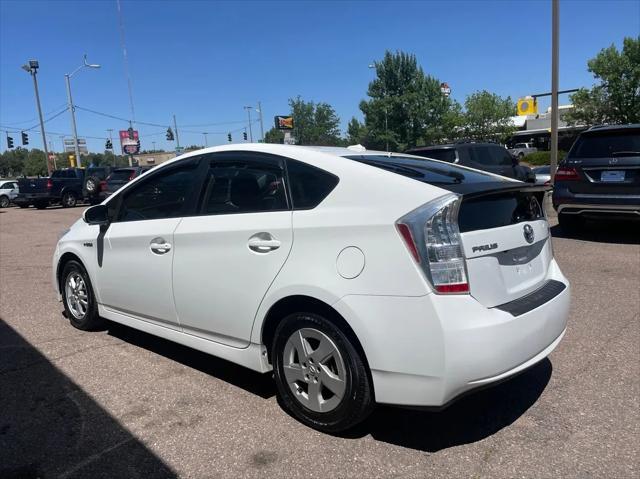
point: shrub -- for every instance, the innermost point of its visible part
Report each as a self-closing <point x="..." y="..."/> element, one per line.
<point x="540" y="158"/>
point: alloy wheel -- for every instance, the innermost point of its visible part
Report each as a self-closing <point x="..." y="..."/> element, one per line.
<point x="76" y="295"/>
<point x="314" y="370"/>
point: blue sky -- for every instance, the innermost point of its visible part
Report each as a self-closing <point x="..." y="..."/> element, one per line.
<point x="203" y="61"/>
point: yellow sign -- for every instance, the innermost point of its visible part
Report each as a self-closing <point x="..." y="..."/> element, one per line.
<point x="72" y="161"/>
<point x="527" y="106"/>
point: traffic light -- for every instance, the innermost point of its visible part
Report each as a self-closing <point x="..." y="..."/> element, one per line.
<point x="169" y="134"/>
<point x="229" y="137"/>
<point x="130" y="133"/>
<point x="244" y="135"/>
<point x="108" y="145"/>
<point x="25" y="138"/>
<point x="9" y="142"/>
<point x="138" y="143"/>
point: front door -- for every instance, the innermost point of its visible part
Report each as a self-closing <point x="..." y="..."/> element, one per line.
<point x="227" y="256"/>
<point x="135" y="275"/>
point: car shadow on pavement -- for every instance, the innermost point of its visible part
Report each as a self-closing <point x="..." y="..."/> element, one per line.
<point x="256" y="383"/>
<point x="615" y="232"/>
<point x="50" y="427"/>
<point x="472" y="418"/>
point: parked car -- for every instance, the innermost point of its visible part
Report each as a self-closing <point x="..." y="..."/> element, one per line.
<point x="600" y="177"/>
<point x="64" y="187"/>
<point x="93" y="177"/>
<point x="482" y="156"/>
<point x="543" y="174"/>
<point x="520" y="150"/>
<point x="357" y="277"/>
<point x="8" y="192"/>
<point x="118" y="178"/>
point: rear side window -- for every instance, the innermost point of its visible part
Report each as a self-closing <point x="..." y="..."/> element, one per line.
<point x="489" y="156"/>
<point x="446" y="154"/>
<point x="164" y="195"/>
<point x="243" y="186"/>
<point x="607" y="144"/>
<point x="121" y="175"/>
<point x="309" y="185"/>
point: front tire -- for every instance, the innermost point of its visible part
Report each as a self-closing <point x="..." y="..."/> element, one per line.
<point x="69" y="200"/>
<point x="4" y="202"/>
<point x="320" y="376"/>
<point x="78" y="298"/>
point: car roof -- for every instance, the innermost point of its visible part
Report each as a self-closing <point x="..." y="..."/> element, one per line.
<point x="451" y="146"/>
<point x="613" y="127"/>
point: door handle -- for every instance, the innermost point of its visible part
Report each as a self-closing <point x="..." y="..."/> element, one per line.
<point x="159" y="246"/>
<point x="263" y="243"/>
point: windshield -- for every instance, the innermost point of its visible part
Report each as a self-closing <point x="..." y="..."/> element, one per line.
<point x="607" y="144"/>
<point x="431" y="172"/>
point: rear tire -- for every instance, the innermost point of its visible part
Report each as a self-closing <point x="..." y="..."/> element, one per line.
<point x="321" y="378"/>
<point x="4" y="201"/>
<point x="570" y="224"/>
<point x="69" y="200"/>
<point x="77" y="296"/>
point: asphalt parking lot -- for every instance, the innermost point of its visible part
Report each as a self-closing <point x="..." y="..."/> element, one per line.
<point x="121" y="403"/>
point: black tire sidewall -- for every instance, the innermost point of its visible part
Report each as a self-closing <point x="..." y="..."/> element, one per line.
<point x="4" y="201"/>
<point x="91" y="319"/>
<point x="357" y="401"/>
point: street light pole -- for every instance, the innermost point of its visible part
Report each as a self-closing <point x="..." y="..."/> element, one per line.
<point x="32" y="68"/>
<point x="248" y="108"/>
<point x="67" y="79"/>
<point x="555" y="60"/>
<point x="261" y="125"/>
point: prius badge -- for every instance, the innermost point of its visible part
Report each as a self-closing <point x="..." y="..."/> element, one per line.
<point x="529" y="235"/>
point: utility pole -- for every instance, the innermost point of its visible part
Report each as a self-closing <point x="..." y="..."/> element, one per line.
<point x="74" y="130"/>
<point x="206" y="143"/>
<point x="154" y="145"/>
<point x="261" y="125"/>
<point x="248" y="108"/>
<point x="555" y="60"/>
<point x="175" y="129"/>
<point x="32" y="68"/>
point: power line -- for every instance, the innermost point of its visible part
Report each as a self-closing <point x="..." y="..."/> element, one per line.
<point x="215" y="124"/>
<point x="35" y="118"/>
<point x="9" y="128"/>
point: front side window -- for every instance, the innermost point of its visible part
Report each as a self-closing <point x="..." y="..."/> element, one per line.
<point x="164" y="195"/>
<point x="243" y="186"/>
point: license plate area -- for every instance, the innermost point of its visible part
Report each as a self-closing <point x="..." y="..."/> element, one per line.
<point x="612" y="176"/>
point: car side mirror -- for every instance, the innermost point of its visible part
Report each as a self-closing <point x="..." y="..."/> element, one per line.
<point x="96" y="215"/>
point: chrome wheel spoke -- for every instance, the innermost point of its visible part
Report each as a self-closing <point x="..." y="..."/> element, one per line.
<point x="313" y="396"/>
<point x="298" y="343"/>
<point x="323" y="352"/>
<point x="293" y="373"/>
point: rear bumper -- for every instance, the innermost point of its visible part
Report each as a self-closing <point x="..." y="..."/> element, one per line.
<point x="426" y="351"/>
<point x="566" y="202"/>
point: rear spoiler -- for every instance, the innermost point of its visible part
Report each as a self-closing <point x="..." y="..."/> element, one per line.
<point x="474" y="190"/>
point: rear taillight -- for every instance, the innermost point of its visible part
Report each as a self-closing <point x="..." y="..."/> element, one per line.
<point x="103" y="186"/>
<point x="432" y="236"/>
<point x="132" y="175"/>
<point x="565" y="173"/>
<point x="49" y="184"/>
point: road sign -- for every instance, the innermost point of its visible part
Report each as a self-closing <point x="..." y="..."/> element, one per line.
<point x="129" y="146"/>
<point x="284" y="122"/>
<point x="69" y="146"/>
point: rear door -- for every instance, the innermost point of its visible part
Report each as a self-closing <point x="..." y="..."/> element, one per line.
<point x="227" y="255"/>
<point x="608" y="163"/>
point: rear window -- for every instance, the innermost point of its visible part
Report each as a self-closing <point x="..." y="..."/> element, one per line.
<point x="424" y="170"/>
<point x="607" y="144"/>
<point x="445" y="154"/>
<point x="120" y="175"/>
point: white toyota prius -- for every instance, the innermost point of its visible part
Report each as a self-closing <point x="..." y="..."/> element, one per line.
<point x="357" y="277"/>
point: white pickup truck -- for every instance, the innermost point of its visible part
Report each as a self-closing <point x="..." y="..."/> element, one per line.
<point x="520" y="150"/>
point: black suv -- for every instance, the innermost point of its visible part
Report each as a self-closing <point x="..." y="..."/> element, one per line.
<point x="600" y="177"/>
<point x="481" y="156"/>
<point x="91" y="187"/>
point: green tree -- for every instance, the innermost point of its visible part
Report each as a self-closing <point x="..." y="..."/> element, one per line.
<point x="12" y="162"/>
<point x="487" y="116"/>
<point x="616" y="99"/>
<point x="36" y="163"/>
<point x="406" y="106"/>
<point x="274" y="136"/>
<point x="357" y="133"/>
<point x="314" y="123"/>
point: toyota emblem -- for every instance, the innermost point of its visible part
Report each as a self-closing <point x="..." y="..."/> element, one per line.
<point x="529" y="235"/>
